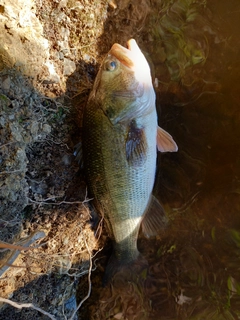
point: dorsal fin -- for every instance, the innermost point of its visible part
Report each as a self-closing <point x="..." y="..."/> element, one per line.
<point x="78" y="154"/>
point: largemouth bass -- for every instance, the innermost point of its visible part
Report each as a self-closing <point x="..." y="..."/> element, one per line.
<point x="120" y="141"/>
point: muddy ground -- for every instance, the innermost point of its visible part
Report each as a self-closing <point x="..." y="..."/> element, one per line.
<point x="50" y="52"/>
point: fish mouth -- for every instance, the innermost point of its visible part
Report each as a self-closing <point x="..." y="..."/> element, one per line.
<point x="133" y="59"/>
<point x="128" y="55"/>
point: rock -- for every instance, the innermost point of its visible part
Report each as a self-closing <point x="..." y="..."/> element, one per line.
<point x="61" y="55"/>
<point x="11" y="117"/>
<point x="53" y="77"/>
<point x="6" y="84"/>
<point x="21" y="42"/>
<point x="67" y="159"/>
<point x="46" y="128"/>
<point x="68" y="67"/>
<point x="34" y="128"/>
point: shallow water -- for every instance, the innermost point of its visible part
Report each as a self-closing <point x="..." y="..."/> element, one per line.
<point x="200" y="184"/>
<point x="194" y="266"/>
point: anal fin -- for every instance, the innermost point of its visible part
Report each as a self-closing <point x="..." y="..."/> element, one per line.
<point x="155" y="219"/>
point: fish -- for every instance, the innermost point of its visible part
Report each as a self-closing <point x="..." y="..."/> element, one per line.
<point x="120" y="139"/>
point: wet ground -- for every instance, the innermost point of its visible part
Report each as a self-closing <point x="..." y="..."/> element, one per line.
<point x="193" y="48"/>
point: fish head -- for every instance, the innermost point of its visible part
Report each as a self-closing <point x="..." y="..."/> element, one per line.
<point x="123" y="87"/>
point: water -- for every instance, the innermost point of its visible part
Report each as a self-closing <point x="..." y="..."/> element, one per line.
<point x="194" y="266"/>
<point x="202" y="193"/>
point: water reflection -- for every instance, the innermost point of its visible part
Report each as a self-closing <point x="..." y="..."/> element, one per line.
<point x="194" y="266"/>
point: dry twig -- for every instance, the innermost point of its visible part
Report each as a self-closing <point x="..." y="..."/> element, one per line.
<point x="7" y="144"/>
<point x="10" y="172"/>
<point x="59" y="203"/>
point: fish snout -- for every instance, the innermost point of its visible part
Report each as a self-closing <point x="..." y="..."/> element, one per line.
<point x="133" y="58"/>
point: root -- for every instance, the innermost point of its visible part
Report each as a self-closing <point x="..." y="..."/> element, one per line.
<point x="89" y="283"/>
<point x="27" y="305"/>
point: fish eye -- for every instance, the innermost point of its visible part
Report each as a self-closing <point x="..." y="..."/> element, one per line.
<point x="110" y="65"/>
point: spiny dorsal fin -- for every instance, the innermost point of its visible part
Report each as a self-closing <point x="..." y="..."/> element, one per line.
<point x="165" y="142"/>
<point x="155" y="219"/>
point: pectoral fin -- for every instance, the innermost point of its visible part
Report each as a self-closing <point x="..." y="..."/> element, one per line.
<point x="165" y="142"/>
<point x="155" y="219"/>
<point x="136" y="144"/>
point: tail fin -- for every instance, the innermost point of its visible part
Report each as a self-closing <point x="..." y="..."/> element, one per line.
<point x="125" y="266"/>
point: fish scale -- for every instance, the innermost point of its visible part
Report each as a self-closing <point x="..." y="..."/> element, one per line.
<point x="122" y="191"/>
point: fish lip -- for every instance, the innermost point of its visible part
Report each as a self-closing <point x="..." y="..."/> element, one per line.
<point x="124" y="55"/>
<point x="134" y="61"/>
